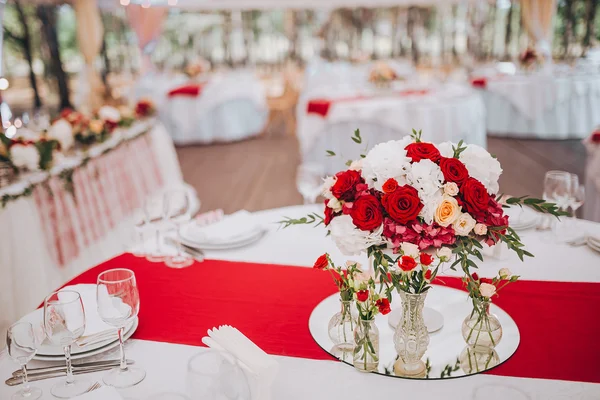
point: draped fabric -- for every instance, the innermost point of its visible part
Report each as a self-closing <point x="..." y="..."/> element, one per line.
<point x="89" y="36"/>
<point x="537" y="17"/>
<point x="147" y="25"/>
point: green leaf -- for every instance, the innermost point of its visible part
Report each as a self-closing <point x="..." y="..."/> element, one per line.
<point x="330" y="153"/>
<point x="356" y="138"/>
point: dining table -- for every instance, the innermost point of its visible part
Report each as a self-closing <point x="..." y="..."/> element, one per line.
<point x="268" y="290"/>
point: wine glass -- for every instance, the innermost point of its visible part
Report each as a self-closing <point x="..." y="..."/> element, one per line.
<point x="21" y="346"/>
<point x="179" y="211"/>
<point x="118" y="304"/>
<point x="309" y="181"/>
<point x="557" y="189"/>
<point x="577" y="195"/>
<point x="64" y="322"/>
<point x="137" y="246"/>
<point x="213" y="375"/>
<point x="155" y="210"/>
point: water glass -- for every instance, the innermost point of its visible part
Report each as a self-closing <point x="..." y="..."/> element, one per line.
<point x="577" y="194"/>
<point x="118" y="302"/>
<point x="213" y="375"/>
<point x="309" y="181"/>
<point x="64" y="322"/>
<point x="179" y="212"/>
<point x="155" y="211"/>
<point x="557" y="189"/>
<point x="21" y="347"/>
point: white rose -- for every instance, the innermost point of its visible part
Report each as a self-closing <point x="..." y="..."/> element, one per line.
<point x="480" y="229"/>
<point x="108" y="113"/>
<point x="464" y="224"/>
<point x="487" y="290"/>
<point x="482" y="166"/>
<point x="451" y="189"/>
<point x="444" y="253"/>
<point x="62" y="131"/>
<point x="334" y="204"/>
<point x="349" y="239"/>
<point x="409" y="249"/>
<point x="326" y="188"/>
<point x="504" y="273"/>
<point x="356" y="165"/>
<point x="25" y="156"/>
<point x="386" y="160"/>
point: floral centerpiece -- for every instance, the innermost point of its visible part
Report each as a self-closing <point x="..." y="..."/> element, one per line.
<point x="411" y="206"/>
<point x="195" y="68"/>
<point x="530" y="60"/>
<point x="145" y="108"/>
<point x="381" y="74"/>
<point x="28" y="154"/>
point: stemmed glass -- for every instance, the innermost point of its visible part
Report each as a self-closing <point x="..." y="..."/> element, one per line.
<point x="155" y="210"/>
<point x="179" y="211"/>
<point x="309" y="181"/>
<point x="212" y="375"/>
<point x="118" y="304"/>
<point x="64" y="322"/>
<point x="138" y="246"/>
<point x="21" y="346"/>
<point x="577" y="195"/>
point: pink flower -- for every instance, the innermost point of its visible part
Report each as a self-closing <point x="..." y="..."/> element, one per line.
<point x="421" y="234"/>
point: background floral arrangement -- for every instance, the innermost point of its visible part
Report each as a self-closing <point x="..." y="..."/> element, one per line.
<point x="530" y="59"/>
<point x="382" y="73"/>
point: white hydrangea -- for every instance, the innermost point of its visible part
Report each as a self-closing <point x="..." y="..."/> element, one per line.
<point x="326" y="188"/>
<point x="351" y="240"/>
<point x="62" y="131"/>
<point x="25" y="156"/>
<point x="482" y="166"/>
<point x="445" y="149"/>
<point x="386" y="160"/>
<point x="427" y="177"/>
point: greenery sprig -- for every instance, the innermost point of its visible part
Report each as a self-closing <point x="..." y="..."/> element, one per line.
<point x="310" y="219"/>
<point x="537" y="204"/>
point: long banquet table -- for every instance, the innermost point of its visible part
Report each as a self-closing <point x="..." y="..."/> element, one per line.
<point x="251" y="289"/>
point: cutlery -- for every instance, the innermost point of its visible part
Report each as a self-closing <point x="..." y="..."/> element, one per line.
<point x="195" y="253"/>
<point x="17" y="380"/>
<point x="579" y="241"/>
<point x="63" y="368"/>
<point x="95" y="386"/>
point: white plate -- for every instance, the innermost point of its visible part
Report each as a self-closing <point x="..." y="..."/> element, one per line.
<point x="521" y="218"/>
<point x="107" y="347"/>
<point x="239" y="242"/>
<point x="36" y="318"/>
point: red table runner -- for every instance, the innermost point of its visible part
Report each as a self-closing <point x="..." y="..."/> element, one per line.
<point x="271" y="304"/>
<point x="191" y="90"/>
<point x="322" y="106"/>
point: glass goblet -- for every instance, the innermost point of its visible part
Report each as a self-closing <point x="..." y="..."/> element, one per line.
<point x="21" y="347"/>
<point x="309" y="181"/>
<point x="179" y="211"/>
<point x="64" y="322"/>
<point x="212" y="375"/>
<point x="118" y="304"/>
<point x="155" y="211"/>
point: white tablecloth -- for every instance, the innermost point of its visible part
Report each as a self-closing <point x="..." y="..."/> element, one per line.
<point x="27" y="269"/>
<point x="591" y="207"/>
<point x="447" y="113"/>
<point x="301" y="379"/>
<point x="543" y="106"/>
<point x="231" y="106"/>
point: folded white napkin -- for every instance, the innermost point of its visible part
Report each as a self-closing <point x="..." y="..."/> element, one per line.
<point x="93" y="322"/>
<point x="103" y="393"/>
<point x="261" y="368"/>
<point x="231" y="227"/>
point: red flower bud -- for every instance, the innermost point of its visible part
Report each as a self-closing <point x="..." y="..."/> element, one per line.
<point x="383" y="305"/>
<point x="362" y="295"/>
<point x="322" y="262"/>
<point x="425" y="259"/>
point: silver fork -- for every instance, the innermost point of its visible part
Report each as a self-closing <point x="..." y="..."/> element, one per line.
<point x="95" y="386"/>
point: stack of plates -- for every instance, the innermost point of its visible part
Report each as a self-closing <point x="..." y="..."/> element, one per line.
<point x="236" y="230"/>
<point x="521" y="219"/>
<point x="594" y="243"/>
<point x="94" y="325"/>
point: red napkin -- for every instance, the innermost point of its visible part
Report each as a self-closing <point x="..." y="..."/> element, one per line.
<point x="192" y="90"/>
<point x="479" y="82"/>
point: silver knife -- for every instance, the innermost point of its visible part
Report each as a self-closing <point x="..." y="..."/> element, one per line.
<point x="63" y="368"/>
<point x="17" y="380"/>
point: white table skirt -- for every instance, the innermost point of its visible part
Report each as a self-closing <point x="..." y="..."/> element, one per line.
<point x="301" y="379"/>
<point x="545" y="108"/>
<point x="231" y="106"/>
<point x="26" y="270"/>
<point x="451" y="117"/>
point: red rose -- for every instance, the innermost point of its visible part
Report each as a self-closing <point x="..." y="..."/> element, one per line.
<point x="596" y="137"/>
<point x="403" y="204"/>
<point x="475" y="276"/>
<point x="390" y="185"/>
<point x="322" y="262"/>
<point x="362" y="295"/>
<point x="143" y="108"/>
<point x="454" y="170"/>
<point x="366" y="213"/>
<point x="66" y="112"/>
<point x="383" y="305"/>
<point x="110" y="125"/>
<point x="428" y="274"/>
<point x="344" y="187"/>
<point x="420" y="151"/>
<point x="407" y="263"/>
<point x="328" y="213"/>
<point x="474" y="195"/>
<point x="425" y="259"/>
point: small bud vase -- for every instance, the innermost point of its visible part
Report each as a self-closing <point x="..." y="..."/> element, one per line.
<point x="341" y="326"/>
<point x="366" y="345"/>
<point x="411" y="337"/>
<point x="481" y="329"/>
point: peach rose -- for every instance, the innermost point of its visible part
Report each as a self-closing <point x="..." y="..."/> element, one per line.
<point x="447" y="211"/>
<point x="480" y="229"/>
<point x="96" y="126"/>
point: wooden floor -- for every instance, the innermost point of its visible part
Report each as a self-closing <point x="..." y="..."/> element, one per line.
<point x="259" y="173"/>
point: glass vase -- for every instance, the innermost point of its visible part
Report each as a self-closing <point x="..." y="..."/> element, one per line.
<point x="341" y="326"/>
<point x="481" y="329"/>
<point x="366" y="345"/>
<point x="411" y="337"/>
<point x="472" y="361"/>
